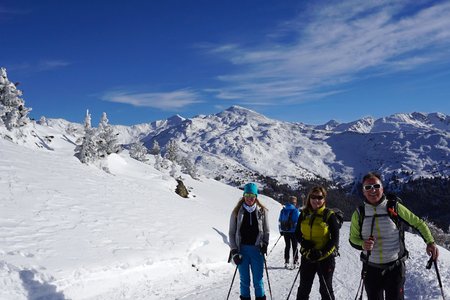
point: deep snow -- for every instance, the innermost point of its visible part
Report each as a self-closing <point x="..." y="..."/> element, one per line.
<point x="118" y="231"/>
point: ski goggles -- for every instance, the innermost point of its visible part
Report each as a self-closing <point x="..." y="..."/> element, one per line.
<point x="248" y="195"/>
<point x="372" y="186"/>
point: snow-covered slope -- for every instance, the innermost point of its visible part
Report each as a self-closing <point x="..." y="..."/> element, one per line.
<point x="73" y="231"/>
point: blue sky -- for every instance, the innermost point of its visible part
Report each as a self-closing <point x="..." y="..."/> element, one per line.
<point x="299" y="61"/>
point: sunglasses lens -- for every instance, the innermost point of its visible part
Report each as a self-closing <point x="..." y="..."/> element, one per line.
<point x="317" y="197"/>
<point x="372" y="186"/>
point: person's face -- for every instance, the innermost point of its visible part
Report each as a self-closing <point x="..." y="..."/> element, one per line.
<point x="372" y="190"/>
<point x="249" y="199"/>
<point x="316" y="200"/>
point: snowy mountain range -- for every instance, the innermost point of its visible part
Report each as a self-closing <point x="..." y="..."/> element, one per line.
<point x="116" y="229"/>
<point x="239" y="143"/>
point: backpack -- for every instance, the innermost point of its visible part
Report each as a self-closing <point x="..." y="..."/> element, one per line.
<point x="337" y="212"/>
<point x="391" y="211"/>
<point x="287" y="224"/>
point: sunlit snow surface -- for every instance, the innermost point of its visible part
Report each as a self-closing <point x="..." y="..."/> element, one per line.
<point x="117" y="230"/>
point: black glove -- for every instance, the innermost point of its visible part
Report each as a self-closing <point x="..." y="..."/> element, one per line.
<point x="314" y="254"/>
<point x="281" y="233"/>
<point x="263" y="249"/>
<point x="236" y="257"/>
<point x="306" y="244"/>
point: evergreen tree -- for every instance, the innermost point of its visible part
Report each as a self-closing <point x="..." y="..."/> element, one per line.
<point x="172" y="151"/>
<point x="13" y="112"/>
<point x="156" y="150"/>
<point x="43" y="121"/>
<point x="71" y="129"/>
<point x="159" y="161"/>
<point x="106" y="138"/>
<point x="87" y="120"/>
<point x="86" y="150"/>
<point x="189" y="167"/>
<point x="138" y="151"/>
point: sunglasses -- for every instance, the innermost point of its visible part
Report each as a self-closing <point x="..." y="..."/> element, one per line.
<point x="313" y="197"/>
<point x="372" y="186"/>
<point x="249" y="195"/>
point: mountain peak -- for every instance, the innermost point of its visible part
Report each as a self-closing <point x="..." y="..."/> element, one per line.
<point x="175" y="120"/>
<point x="239" y="109"/>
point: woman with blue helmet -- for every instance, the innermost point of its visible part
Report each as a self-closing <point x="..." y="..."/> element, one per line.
<point x="249" y="237"/>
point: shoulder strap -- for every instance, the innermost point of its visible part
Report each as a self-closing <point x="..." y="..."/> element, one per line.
<point x="326" y="214"/>
<point x="361" y="215"/>
<point x="392" y="211"/>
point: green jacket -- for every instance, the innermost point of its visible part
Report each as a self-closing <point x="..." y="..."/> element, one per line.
<point x="388" y="240"/>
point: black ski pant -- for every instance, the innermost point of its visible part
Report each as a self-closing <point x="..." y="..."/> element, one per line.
<point x="290" y="240"/>
<point x="390" y="281"/>
<point x="308" y="270"/>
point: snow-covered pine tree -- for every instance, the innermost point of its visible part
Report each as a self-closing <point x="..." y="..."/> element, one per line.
<point x="87" y="120"/>
<point x="138" y="151"/>
<point x="43" y="121"/>
<point x="106" y="138"/>
<point x="189" y="168"/>
<point x="86" y="150"/>
<point x="172" y="151"/>
<point x="71" y="129"/>
<point x="13" y="112"/>
<point x="156" y="150"/>
<point x="158" y="162"/>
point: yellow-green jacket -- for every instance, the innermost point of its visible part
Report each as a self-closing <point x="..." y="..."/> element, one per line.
<point x="318" y="232"/>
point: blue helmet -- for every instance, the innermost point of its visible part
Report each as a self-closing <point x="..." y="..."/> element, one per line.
<point x="251" y="188"/>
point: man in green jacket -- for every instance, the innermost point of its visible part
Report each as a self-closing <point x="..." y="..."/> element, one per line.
<point x="374" y="231"/>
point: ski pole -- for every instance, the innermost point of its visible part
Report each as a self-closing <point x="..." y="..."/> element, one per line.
<point x="359" y="287"/>
<point x="267" y="274"/>
<point x="229" y="291"/>
<point x="364" y="268"/>
<point x="290" y="291"/>
<point x="430" y="262"/>
<point x="274" y="245"/>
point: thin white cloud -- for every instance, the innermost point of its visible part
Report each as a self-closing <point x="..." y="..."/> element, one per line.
<point x="8" y="13"/>
<point x="336" y="45"/>
<point x="166" y="101"/>
<point x="46" y="65"/>
<point x="41" y="66"/>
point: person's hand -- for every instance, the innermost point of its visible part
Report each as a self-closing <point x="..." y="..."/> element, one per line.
<point x="433" y="251"/>
<point x="307" y="244"/>
<point x="263" y="249"/>
<point x="236" y="257"/>
<point x="368" y="244"/>
<point x="314" y="254"/>
<point x="281" y="233"/>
